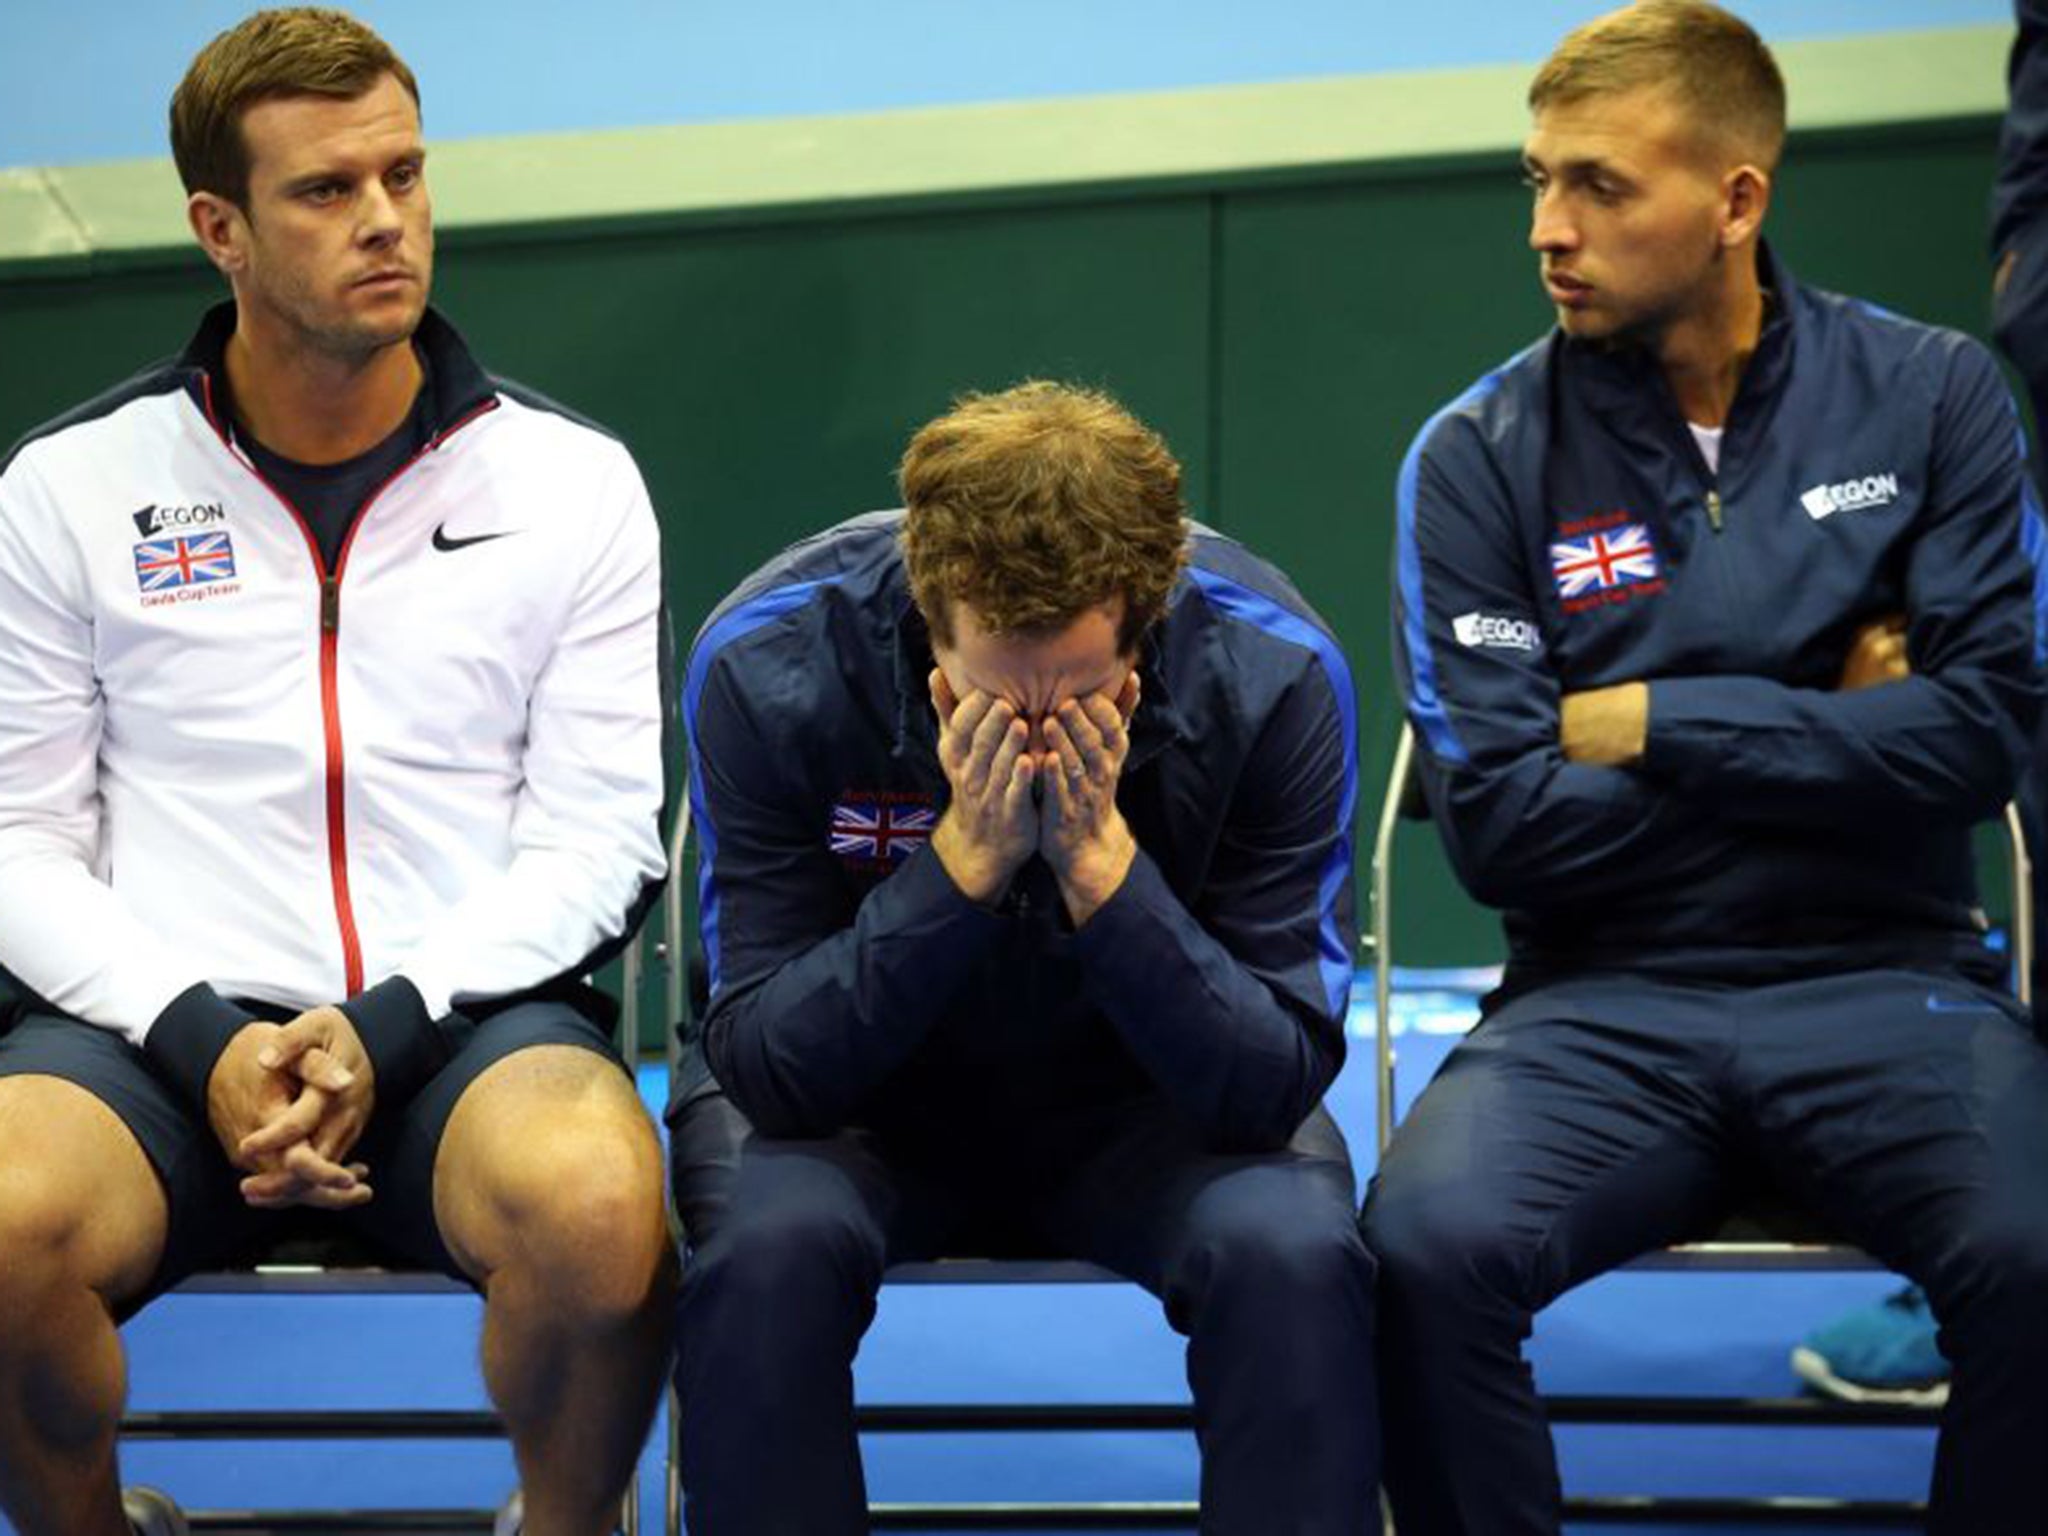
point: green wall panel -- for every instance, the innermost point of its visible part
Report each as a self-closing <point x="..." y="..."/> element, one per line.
<point x="64" y="339"/>
<point x="1349" y="315"/>
<point x="768" y="378"/>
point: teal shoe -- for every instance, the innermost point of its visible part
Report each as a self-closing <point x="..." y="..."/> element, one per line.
<point x="1882" y="1353"/>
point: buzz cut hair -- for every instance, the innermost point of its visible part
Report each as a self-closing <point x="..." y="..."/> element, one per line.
<point x="1710" y="61"/>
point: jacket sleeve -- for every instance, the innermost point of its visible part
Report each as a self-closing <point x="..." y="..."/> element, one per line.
<point x="1948" y="741"/>
<point x="586" y="841"/>
<point x="65" y="934"/>
<point x="1235" y="1004"/>
<point x="812" y="1007"/>
<point x="1523" y="827"/>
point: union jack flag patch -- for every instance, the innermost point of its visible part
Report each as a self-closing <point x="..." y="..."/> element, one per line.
<point x="1613" y="557"/>
<point x="877" y="830"/>
<point x="162" y="564"/>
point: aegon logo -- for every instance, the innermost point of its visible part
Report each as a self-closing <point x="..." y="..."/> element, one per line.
<point x="1495" y="631"/>
<point x="1850" y="496"/>
<point x="154" y="520"/>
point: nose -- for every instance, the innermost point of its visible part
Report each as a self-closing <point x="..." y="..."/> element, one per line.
<point x="1551" y="227"/>
<point x="381" y="224"/>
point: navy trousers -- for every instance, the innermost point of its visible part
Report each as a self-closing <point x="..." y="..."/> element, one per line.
<point x="1257" y="1259"/>
<point x="1588" y="1122"/>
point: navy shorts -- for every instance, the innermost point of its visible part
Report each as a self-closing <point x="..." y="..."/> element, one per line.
<point x="210" y="1227"/>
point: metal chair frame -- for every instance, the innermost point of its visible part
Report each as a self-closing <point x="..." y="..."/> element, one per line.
<point x="1750" y="1241"/>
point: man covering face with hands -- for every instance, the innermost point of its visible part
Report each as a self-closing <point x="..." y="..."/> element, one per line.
<point x="1024" y="843"/>
<point x="1042" y="782"/>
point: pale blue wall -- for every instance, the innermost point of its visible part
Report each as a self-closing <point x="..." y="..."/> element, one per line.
<point x="88" y="79"/>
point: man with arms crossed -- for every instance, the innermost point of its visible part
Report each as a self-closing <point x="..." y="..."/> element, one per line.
<point x="1714" y="623"/>
<point x="330" y="757"/>
<point x="1024" y="824"/>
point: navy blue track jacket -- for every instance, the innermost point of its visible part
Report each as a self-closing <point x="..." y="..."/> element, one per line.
<point x="1559" y="531"/>
<point x="2021" y="190"/>
<point x="853" y="984"/>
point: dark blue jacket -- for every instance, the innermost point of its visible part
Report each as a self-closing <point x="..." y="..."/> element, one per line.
<point x="852" y="983"/>
<point x="1559" y="531"/>
<point x="2021" y="190"/>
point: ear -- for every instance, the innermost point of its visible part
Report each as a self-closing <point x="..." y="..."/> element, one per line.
<point x="1745" y="198"/>
<point x="221" y="230"/>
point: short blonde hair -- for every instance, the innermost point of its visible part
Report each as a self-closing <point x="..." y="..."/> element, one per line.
<point x="1712" y="62"/>
<point x="1037" y="504"/>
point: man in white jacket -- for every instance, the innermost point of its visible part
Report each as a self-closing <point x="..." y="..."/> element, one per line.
<point x="330" y="761"/>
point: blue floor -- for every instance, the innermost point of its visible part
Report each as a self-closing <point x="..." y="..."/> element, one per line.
<point x="1712" y="1334"/>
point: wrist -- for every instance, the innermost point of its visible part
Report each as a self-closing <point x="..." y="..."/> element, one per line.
<point x="1097" y="871"/>
<point x="978" y="872"/>
<point x="187" y="1040"/>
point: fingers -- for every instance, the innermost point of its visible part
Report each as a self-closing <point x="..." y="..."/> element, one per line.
<point x="320" y="1070"/>
<point x="995" y="728"/>
<point x="306" y="1165"/>
<point x="299" y="1120"/>
<point x="1088" y="736"/>
<point x="1102" y="714"/>
<point x="337" y="1136"/>
<point x="943" y="701"/>
<point x="1017" y="791"/>
<point x="311" y="1033"/>
<point x="303" y="1176"/>
<point x="1887" y="647"/>
<point x="956" y="739"/>
<point x="277" y="1189"/>
<point x="1002" y="768"/>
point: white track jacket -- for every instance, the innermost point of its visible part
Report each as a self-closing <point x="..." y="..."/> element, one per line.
<point x="431" y="775"/>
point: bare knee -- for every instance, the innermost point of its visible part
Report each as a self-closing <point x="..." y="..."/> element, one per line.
<point x="80" y="1206"/>
<point x="576" y="1218"/>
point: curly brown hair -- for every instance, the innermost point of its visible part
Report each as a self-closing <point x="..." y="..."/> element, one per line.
<point x="1711" y="60"/>
<point x="297" y="51"/>
<point x="1036" y="504"/>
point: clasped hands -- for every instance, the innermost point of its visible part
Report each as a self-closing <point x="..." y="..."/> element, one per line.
<point x="287" y="1103"/>
<point x="1609" y="727"/>
<point x="1010" y="801"/>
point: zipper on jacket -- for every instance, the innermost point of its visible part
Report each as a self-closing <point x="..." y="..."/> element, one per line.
<point x="1713" y="509"/>
<point x="337" y="805"/>
<point x="330" y="669"/>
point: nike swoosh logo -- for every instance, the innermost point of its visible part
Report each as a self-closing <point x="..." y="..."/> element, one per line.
<point x="445" y="544"/>
<point x="1938" y="1004"/>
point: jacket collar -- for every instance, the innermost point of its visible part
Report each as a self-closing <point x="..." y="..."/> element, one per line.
<point x="457" y="386"/>
<point x="1624" y="377"/>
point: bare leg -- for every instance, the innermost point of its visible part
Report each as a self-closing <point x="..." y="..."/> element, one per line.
<point x="547" y="1188"/>
<point x="82" y="1225"/>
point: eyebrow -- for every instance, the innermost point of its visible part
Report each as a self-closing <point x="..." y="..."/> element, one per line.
<point x="415" y="155"/>
<point x="1578" y="169"/>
